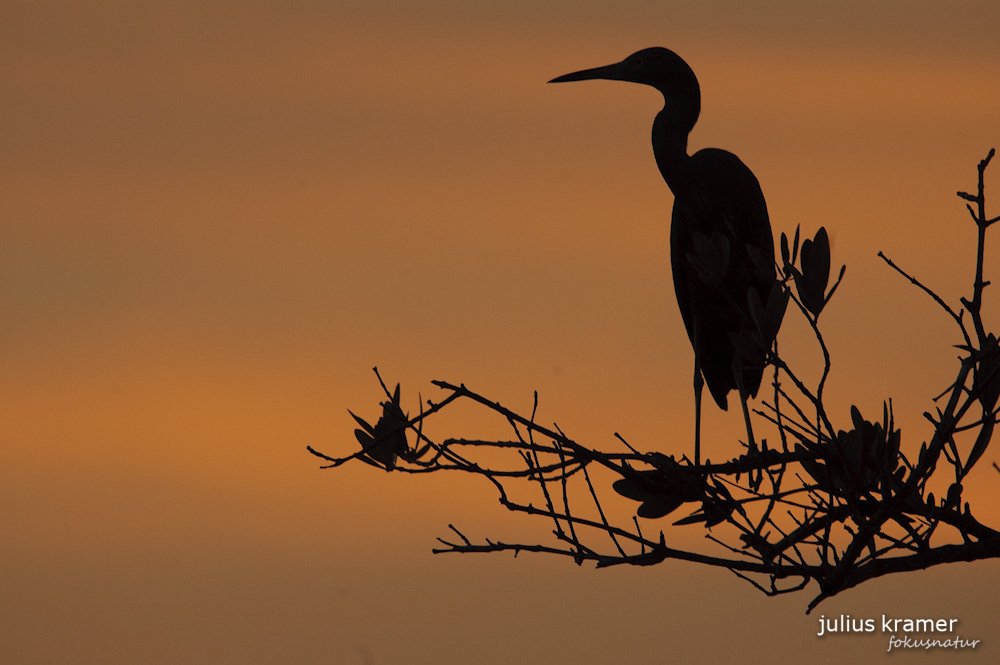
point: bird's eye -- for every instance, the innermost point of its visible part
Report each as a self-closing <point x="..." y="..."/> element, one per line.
<point x="638" y="61"/>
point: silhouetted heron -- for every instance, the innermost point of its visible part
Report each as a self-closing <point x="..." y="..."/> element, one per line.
<point x="719" y="223"/>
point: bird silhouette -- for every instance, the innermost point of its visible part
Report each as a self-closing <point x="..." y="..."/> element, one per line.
<point x="721" y="247"/>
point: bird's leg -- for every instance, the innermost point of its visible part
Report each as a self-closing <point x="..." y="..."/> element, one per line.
<point x="699" y="383"/>
<point x="746" y="411"/>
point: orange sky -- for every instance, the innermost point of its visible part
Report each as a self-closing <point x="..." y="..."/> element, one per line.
<point x="215" y="220"/>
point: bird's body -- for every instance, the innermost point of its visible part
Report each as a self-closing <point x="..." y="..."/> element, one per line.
<point x="721" y="246"/>
<point x="722" y="197"/>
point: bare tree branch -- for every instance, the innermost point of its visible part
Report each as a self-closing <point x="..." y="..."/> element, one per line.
<point x="835" y="505"/>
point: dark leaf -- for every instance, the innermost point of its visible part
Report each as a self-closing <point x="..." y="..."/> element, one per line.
<point x="777" y="303"/>
<point x="954" y="499"/>
<point x="360" y="421"/>
<point x="637" y="489"/>
<point x="364" y="439"/>
<point x="387" y="440"/>
<point x="987" y="377"/>
<point x="693" y="518"/>
<point x="658" y="507"/>
<point x="815" y="468"/>
<point x="712" y="512"/>
<point x="982" y="442"/>
<point x="763" y="262"/>
<point x="660" y="490"/>
<point x="815" y="272"/>
<point x="856" y="418"/>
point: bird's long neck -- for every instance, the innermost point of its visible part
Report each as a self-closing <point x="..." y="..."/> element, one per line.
<point x="670" y="135"/>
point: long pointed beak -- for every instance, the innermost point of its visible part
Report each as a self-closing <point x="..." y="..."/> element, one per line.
<point x="613" y="72"/>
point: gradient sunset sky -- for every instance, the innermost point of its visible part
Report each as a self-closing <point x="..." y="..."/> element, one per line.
<point x="217" y="217"/>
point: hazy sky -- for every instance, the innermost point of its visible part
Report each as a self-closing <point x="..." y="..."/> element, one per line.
<point x="215" y="218"/>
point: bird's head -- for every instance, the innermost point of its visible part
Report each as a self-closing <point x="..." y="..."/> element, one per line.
<point x="657" y="67"/>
